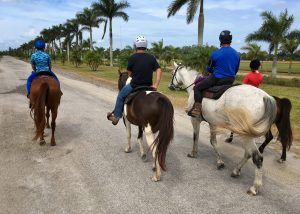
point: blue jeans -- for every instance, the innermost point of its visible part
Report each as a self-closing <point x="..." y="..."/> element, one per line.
<point x="34" y="75"/>
<point x="125" y="91"/>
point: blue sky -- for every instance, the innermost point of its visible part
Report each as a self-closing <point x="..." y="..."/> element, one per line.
<point x="22" y="20"/>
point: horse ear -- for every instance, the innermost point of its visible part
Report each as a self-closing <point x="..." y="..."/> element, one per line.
<point x="175" y="64"/>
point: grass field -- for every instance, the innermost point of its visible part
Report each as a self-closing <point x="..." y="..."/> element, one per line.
<point x="179" y="98"/>
<point x="267" y="67"/>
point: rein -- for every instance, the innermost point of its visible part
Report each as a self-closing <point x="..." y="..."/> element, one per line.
<point x="174" y="77"/>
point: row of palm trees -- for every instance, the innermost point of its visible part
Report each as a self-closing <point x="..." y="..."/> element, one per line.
<point x="274" y="30"/>
<point x="100" y="12"/>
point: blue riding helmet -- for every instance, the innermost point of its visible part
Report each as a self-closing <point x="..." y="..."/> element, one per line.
<point x="39" y="44"/>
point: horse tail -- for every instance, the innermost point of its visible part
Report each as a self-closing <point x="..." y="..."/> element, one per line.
<point x="283" y="122"/>
<point x="239" y="120"/>
<point x="165" y="128"/>
<point x="39" y="111"/>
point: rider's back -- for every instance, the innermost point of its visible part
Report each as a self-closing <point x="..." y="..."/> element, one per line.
<point x="226" y="62"/>
<point x="41" y="60"/>
<point x="142" y="66"/>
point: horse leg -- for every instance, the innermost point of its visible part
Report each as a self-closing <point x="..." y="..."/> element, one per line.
<point x="268" y="138"/>
<point x="150" y="140"/>
<point x="249" y="146"/>
<point x="257" y="159"/>
<point x="42" y="140"/>
<point x="140" y="141"/>
<point x="128" y="130"/>
<point x="283" y="155"/>
<point x="47" y="117"/>
<point x="230" y="139"/>
<point x="196" y="129"/>
<point x="213" y="142"/>
<point x="53" y="125"/>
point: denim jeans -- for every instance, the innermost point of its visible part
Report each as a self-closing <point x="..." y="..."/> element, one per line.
<point x="34" y="75"/>
<point x="125" y="91"/>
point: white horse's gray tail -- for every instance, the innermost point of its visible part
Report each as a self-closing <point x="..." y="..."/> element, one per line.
<point x="239" y="120"/>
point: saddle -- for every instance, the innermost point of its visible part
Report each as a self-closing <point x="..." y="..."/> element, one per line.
<point x="136" y="91"/>
<point x="216" y="92"/>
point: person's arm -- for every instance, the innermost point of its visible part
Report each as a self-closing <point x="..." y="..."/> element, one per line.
<point x="158" y="78"/>
<point x="238" y="65"/>
<point x="32" y="62"/>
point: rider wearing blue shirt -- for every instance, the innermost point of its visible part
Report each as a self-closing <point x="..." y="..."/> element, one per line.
<point x="223" y="66"/>
<point x="41" y="64"/>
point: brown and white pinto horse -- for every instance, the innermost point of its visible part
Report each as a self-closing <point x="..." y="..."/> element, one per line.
<point x="45" y="96"/>
<point x="153" y="113"/>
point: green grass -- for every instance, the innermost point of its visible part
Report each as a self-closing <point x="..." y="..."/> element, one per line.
<point x="179" y="98"/>
<point x="282" y="67"/>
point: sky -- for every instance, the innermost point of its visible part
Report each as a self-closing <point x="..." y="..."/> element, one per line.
<point x="22" y="20"/>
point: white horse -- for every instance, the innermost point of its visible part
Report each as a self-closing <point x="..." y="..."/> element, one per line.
<point x="244" y="109"/>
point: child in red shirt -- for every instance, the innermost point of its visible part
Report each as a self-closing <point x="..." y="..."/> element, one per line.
<point x="254" y="77"/>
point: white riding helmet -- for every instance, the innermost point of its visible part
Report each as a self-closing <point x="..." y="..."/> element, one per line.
<point x="140" y="42"/>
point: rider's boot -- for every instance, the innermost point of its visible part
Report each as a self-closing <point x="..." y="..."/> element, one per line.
<point x="196" y="111"/>
<point x="28" y="96"/>
<point x="112" y="118"/>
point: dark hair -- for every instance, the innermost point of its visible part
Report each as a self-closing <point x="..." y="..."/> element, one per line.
<point x="254" y="64"/>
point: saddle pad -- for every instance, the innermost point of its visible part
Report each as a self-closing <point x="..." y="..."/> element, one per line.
<point x="216" y="92"/>
<point x="136" y="91"/>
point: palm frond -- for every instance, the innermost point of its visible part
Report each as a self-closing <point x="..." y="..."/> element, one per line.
<point x="175" y="6"/>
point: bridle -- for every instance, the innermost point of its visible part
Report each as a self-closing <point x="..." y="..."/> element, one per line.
<point x="172" y="85"/>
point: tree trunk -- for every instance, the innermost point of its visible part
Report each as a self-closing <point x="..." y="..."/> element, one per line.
<point x="110" y="42"/>
<point x="290" y="66"/>
<point x="68" y="50"/>
<point x="60" y="46"/>
<point x="274" y="65"/>
<point x="201" y="25"/>
<point x="91" y="38"/>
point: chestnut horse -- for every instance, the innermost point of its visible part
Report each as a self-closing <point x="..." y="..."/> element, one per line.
<point x="153" y="113"/>
<point x="44" y="97"/>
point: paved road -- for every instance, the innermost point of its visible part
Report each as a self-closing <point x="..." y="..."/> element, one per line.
<point x="88" y="172"/>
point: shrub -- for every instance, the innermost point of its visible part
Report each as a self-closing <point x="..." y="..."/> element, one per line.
<point x="93" y="60"/>
<point x="76" y="57"/>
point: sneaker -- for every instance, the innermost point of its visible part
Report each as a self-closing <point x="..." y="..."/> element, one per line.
<point x="112" y="118"/>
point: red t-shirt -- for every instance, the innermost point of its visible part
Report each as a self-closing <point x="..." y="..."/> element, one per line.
<point x="253" y="78"/>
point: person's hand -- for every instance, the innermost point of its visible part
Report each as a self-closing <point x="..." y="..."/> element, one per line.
<point x="155" y="86"/>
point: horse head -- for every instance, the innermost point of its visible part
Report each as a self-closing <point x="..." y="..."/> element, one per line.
<point x="123" y="76"/>
<point x="176" y="80"/>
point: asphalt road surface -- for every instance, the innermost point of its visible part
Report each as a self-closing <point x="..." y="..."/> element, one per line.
<point x="88" y="171"/>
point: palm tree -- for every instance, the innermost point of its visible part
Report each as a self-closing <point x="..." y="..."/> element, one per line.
<point x="254" y="51"/>
<point x="273" y="30"/>
<point x="157" y="48"/>
<point x="290" y="46"/>
<point x="111" y="9"/>
<point x="192" y="7"/>
<point x="89" y="19"/>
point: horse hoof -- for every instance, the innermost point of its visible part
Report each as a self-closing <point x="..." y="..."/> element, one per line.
<point x="128" y="150"/>
<point x="53" y="144"/>
<point x="251" y="191"/>
<point x="235" y="174"/>
<point x="220" y="166"/>
<point x="155" y="179"/>
<point x="42" y="142"/>
<point x="191" y="156"/>
<point x="144" y="158"/>
<point x="280" y="161"/>
<point x="228" y="140"/>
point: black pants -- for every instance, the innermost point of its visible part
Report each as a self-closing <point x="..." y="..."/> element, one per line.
<point x="208" y="83"/>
